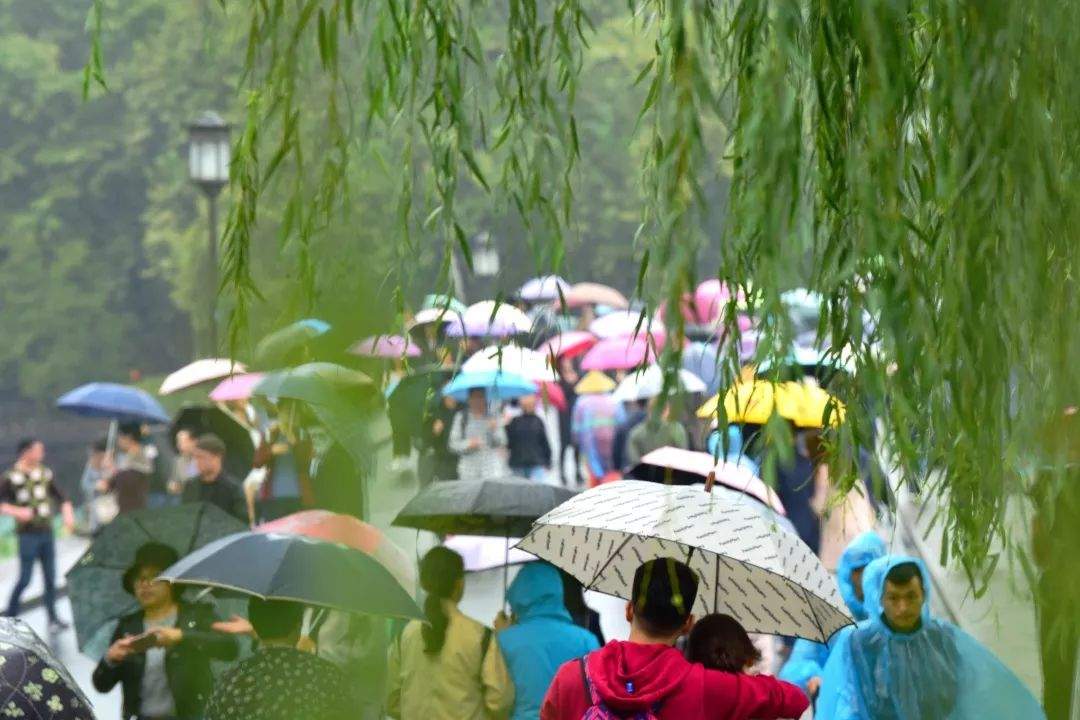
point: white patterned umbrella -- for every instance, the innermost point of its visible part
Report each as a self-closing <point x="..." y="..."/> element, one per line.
<point x="747" y="566"/>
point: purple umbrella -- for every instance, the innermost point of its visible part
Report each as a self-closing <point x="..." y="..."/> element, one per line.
<point x="237" y="387"/>
<point x="489" y="319"/>
<point x="543" y="288"/>
<point x="619" y="354"/>
<point x="386" y="346"/>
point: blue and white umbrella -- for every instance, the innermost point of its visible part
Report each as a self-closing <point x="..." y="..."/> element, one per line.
<point x="499" y="385"/>
<point x="113" y="401"/>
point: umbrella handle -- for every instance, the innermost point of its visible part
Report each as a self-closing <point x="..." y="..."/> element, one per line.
<point x="710" y="481"/>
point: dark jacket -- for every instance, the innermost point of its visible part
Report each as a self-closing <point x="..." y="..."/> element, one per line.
<point x="187" y="665"/>
<point x="527" y="439"/>
<point x="225" y="492"/>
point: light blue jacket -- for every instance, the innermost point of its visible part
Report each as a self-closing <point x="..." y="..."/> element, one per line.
<point x="542" y="638"/>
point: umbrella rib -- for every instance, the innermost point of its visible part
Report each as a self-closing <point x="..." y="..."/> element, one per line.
<point x="813" y="614"/>
<point x="195" y="528"/>
<point x="610" y="558"/>
<point x="138" y="524"/>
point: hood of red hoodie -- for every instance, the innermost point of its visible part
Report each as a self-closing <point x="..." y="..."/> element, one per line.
<point x="631" y="676"/>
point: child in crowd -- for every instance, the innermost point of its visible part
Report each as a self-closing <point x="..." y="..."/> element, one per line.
<point x="719" y="642"/>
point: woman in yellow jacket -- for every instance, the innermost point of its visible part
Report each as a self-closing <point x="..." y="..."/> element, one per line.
<point x="449" y="668"/>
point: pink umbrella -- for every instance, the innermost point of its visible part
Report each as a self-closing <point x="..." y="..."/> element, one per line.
<point x="709" y="300"/>
<point x="624" y="323"/>
<point x="568" y="344"/>
<point x="386" y="346"/>
<point x="588" y="293"/>
<point x="619" y="354"/>
<point x="689" y="466"/>
<point x="543" y="288"/>
<point x="237" y="387"/>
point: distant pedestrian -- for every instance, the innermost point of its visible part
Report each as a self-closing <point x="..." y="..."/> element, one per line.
<point x="184" y="467"/>
<point x="130" y="479"/>
<point x="93" y="473"/>
<point x="478" y="437"/>
<point x="280" y="682"/>
<point x="440" y="420"/>
<point x="212" y="484"/>
<point x="449" y="667"/>
<point x="526" y="435"/>
<point x="28" y="493"/>
<point x="635" y="413"/>
<point x="657" y="430"/>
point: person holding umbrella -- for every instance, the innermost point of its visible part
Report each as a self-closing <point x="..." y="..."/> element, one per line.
<point x="479" y="439"/>
<point x="160" y="655"/>
<point x="446" y="668"/>
<point x="27" y="493"/>
<point x="212" y="485"/>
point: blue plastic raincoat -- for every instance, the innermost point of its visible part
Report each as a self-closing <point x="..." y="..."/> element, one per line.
<point x="542" y="638"/>
<point x="937" y="672"/>
<point x="808" y="658"/>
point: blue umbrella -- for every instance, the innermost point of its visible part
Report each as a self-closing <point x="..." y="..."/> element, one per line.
<point x="498" y="385"/>
<point x="113" y="401"/>
<point x="703" y="359"/>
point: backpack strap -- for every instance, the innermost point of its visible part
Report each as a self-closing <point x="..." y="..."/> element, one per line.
<point x="591" y="698"/>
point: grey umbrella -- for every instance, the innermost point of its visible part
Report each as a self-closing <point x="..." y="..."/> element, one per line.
<point x="34" y="685"/>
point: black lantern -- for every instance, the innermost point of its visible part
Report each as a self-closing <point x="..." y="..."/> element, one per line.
<point x="208" y="167"/>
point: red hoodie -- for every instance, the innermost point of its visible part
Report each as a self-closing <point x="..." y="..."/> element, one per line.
<point x="660" y="674"/>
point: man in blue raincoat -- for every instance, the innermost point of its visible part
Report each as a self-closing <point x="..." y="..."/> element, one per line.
<point x="903" y="664"/>
<point x="807" y="661"/>
<point x="541" y="637"/>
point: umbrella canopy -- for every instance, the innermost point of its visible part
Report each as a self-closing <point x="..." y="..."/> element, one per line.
<point x="703" y="359"/>
<point x="568" y="344"/>
<point x="685" y="467"/>
<point x="619" y="354"/>
<point x="588" y="293"/>
<point x="433" y="315"/>
<point x="318" y="383"/>
<point x="709" y="300"/>
<point x="412" y="398"/>
<point x="95" y="583"/>
<point x="808" y="361"/>
<point x="280" y="566"/>
<point x="489" y="318"/>
<point x="349" y="531"/>
<point x="754" y="402"/>
<point x="542" y="289"/>
<point x="623" y="324"/>
<point x="237" y="387"/>
<point x="113" y="401"/>
<point x="487" y="553"/>
<point x="498" y="385"/>
<point x="388" y="347"/>
<point x="34" y="684"/>
<point x="594" y="383"/>
<point x="279" y="347"/>
<point x="814" y="404"/>
<point x="650" y="382"/>
<point x="529" y="364"/>
<point x="199" y="372"/>
<point x="552" y="393"/>
<point x="498" y="508"/>
<point x="747" y="567"/>
<point x="239" y="444"/>
<point x="437" y="301"/>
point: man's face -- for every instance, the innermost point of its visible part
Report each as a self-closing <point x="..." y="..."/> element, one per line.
<point x="856" y="582"/>
<point x="528" y="403"/>
<point x="35" y="454"/>
<point x="207" y="463"/>
<point x="903" y="604"/>
<point x="185" y="443"/>
<point x="150" y="592"/>
<point x="477" y="402"/>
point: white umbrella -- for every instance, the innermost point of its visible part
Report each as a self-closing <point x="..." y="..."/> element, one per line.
<point x="530" y="364"/>
<point x="543" y="288"/>
<point x="489" y="318"/>
<point x="649" y="382"/>
<point x="747" y="567"/>
<point x="199" y="372"/>
<point x="624" y="323"/>
<point x="487" y="553"/>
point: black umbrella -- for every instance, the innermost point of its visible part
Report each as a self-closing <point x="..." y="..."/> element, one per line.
<point x="413" y="397"/>
<point x="98" y="598"/>
<point x="499" y="508"/>
<point x="34" y="685"/>
<point x="293" y="567"/>
<point x="239" y="445"/>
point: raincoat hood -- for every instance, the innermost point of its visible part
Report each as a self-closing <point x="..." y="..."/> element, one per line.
<point x="537" y="591"/>
<point x="631" y="677"/>
<point x="861" y="552"/>
<point x="874" y="586"/>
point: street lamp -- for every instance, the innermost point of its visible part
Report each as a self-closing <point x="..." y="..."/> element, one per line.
<point x="208" y="167"/>
<point x="485" y="255"/>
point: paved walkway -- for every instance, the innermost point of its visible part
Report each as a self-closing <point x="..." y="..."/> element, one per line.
<point x="69" y="548"/>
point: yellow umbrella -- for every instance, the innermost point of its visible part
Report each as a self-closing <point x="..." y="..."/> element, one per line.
<point x="594" y="383"/>
<point x="754" y="402"/>
<point x="812" y="402"/>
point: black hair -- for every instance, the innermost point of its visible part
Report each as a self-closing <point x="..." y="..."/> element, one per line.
<point x="573" y="595"/>
<point x="903" y="573"/>
<point x="152" y="554"/>
<point x="275" y="619"/>
<point x="440" y="571"/>
<point x="211" y="443"/>
<point x="719" y="642"/>
<point x="25" y="444"/>
<point x="663" y="595"/>
<point x="131" y="430"/>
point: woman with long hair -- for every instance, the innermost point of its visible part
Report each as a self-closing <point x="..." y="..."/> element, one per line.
<point x="447" y="668"/>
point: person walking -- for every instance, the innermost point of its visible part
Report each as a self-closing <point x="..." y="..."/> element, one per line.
<point x="280" y="682"/>
<point x="539" y="637"/>
<point x="478" y="437"/>
<point x="28" y="494"/>
<point x="447" y="668"/>
<point x="129" y="480"/>
<point x="184" y="467"/>
<point x="212" y="484"/>
<point x="160" y="654"/>
<point x="526" y="436"/>
<point x="647" y="677"/>
<point x="444" y="461"/>
<point x="657" y="430"/>
<point x="635" y="413"/>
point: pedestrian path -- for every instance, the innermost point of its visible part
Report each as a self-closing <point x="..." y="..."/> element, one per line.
<point x="69" y="548"/>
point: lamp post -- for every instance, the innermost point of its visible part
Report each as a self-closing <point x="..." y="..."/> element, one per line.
<point x="208" y="167"/>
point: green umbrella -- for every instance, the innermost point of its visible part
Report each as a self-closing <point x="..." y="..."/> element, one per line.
<point x="448" y="302"/>
<point x="316" y="383"/>
<point x="95" y="583"/>
<point x="284" y="346"/>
